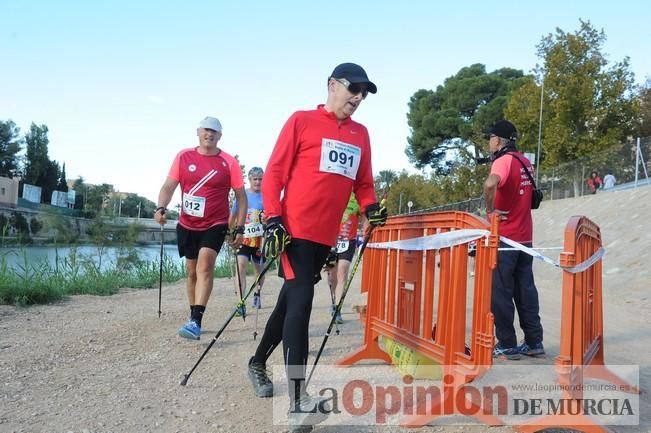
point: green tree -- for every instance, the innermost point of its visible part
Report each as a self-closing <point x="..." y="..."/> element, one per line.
<point x="10" y="146"/>
<point x="416" y="188"/>
<point x="587" y="105"/>
<point x="384" y="180"/>
<point x="35" y="225"/>
<point x="62" y="185"/>
<point x="36" y="158"/>
<point x="81" y="192"/>
<point x="5" y="225"/>
<point x="98" y="197"/>
<point x="131" y="203"/>
<point x="20" y="225"/>
<point x="49" y="181"/>
<point x="645" y="109"/>
<point x="242" y="166"/>
<point x="465" y="180"/>
<point x="453" y="117"/>
<point x="39" y="169"/>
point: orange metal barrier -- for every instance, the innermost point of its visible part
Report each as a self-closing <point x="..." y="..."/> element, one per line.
<point x="402" y="287"/>
<point x="582" y="338"/>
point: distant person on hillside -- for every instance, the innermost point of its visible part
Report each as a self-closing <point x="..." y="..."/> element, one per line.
<point x="594" y="182"/>
<point x="250" y="251"/>
<point x="609" y="180"/>
<point x="206" y="175"/>
<point x="508" y="191"/>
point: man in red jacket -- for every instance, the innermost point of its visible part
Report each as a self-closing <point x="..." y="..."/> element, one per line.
<point x="320" y="157"/>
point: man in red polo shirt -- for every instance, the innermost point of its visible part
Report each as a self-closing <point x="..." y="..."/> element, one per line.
<point x="206" y="175"/>
<point x="320" y="157"/>
<point x="507" y="191"/>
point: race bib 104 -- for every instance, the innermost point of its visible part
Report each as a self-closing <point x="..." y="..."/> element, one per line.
<point x="194" y="205"/>
<point x="339" y="158"/>
<point x="253" y="230"/>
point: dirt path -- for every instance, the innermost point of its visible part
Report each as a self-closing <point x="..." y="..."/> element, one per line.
<point x="108" y="364"/>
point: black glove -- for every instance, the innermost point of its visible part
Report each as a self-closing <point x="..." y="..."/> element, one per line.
<point x="276" y="238"/>
<point x="331" y="260"/>
<point x="376" y="214"/>
<point x="237" y="230"/>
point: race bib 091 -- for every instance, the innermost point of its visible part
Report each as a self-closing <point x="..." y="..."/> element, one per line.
<point x="340" y="158"/>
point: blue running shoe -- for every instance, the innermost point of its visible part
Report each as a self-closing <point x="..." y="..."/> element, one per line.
<point x="535" y="350"/>
<point x="191" y="330"/>
<point x="510" y="353"/>
<point x="256" y="301"/>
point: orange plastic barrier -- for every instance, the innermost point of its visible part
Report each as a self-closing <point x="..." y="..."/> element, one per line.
<point x="582" y="338"/>
<point x="402" y="290"/>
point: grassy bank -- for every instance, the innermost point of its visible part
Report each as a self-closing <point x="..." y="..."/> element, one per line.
<point x="76" y="274"/>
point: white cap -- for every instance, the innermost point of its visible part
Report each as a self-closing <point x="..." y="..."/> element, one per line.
<point x="211" y="123"/>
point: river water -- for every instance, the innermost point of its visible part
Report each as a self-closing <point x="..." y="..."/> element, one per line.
<point x="16" y="257"/>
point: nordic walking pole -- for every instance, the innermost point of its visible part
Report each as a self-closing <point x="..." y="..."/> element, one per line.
<point x="232" y="260"/>
<point x="257" y="313"/>
<point x="341" y="303"/>
<point x="255" y="331"/>
<point x="334" y="305"/>
<point x="239" y="284"/>
<point x="184" y="381"/>
<point x="160" y="271"/>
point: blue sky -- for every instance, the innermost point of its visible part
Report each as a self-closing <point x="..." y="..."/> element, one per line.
<point x="122" y="84"/>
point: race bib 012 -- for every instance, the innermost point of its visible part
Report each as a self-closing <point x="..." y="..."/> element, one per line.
<point x="194" y="205"/>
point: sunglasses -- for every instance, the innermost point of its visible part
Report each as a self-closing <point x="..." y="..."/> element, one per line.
<point x="353" y="88"/>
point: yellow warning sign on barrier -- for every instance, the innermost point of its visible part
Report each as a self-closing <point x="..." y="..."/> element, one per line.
<point x="411" y="362"/>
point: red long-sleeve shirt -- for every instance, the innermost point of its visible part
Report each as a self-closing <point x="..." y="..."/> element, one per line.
<point x="317" y="162"/>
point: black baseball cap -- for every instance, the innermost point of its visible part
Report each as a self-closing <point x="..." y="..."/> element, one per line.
<point x="504" y="129"/>
<point x="354" y="74"/>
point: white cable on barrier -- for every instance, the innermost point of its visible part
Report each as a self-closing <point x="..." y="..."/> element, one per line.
<point x="537" y="249"/>
<point x="594" y="258"/>
<point x="433" y="242"/>
<point x="533" y="253"/>
<point x="458" y="237"/>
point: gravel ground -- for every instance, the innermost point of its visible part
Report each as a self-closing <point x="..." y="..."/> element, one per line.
<point x="109" y="364"/>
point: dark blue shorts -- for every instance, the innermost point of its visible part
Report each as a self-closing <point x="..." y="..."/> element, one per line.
<point x="252" y="253"/>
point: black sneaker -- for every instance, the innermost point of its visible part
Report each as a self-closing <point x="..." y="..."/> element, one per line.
<point x="262" y="385"/>
<point x="308" y="412"/>
<point x="534" y="350"/>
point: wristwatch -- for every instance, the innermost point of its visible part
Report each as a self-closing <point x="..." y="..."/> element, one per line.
<point x="238" y="230"/>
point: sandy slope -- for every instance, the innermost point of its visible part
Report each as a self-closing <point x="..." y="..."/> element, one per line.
<point x="108" y="364"/>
